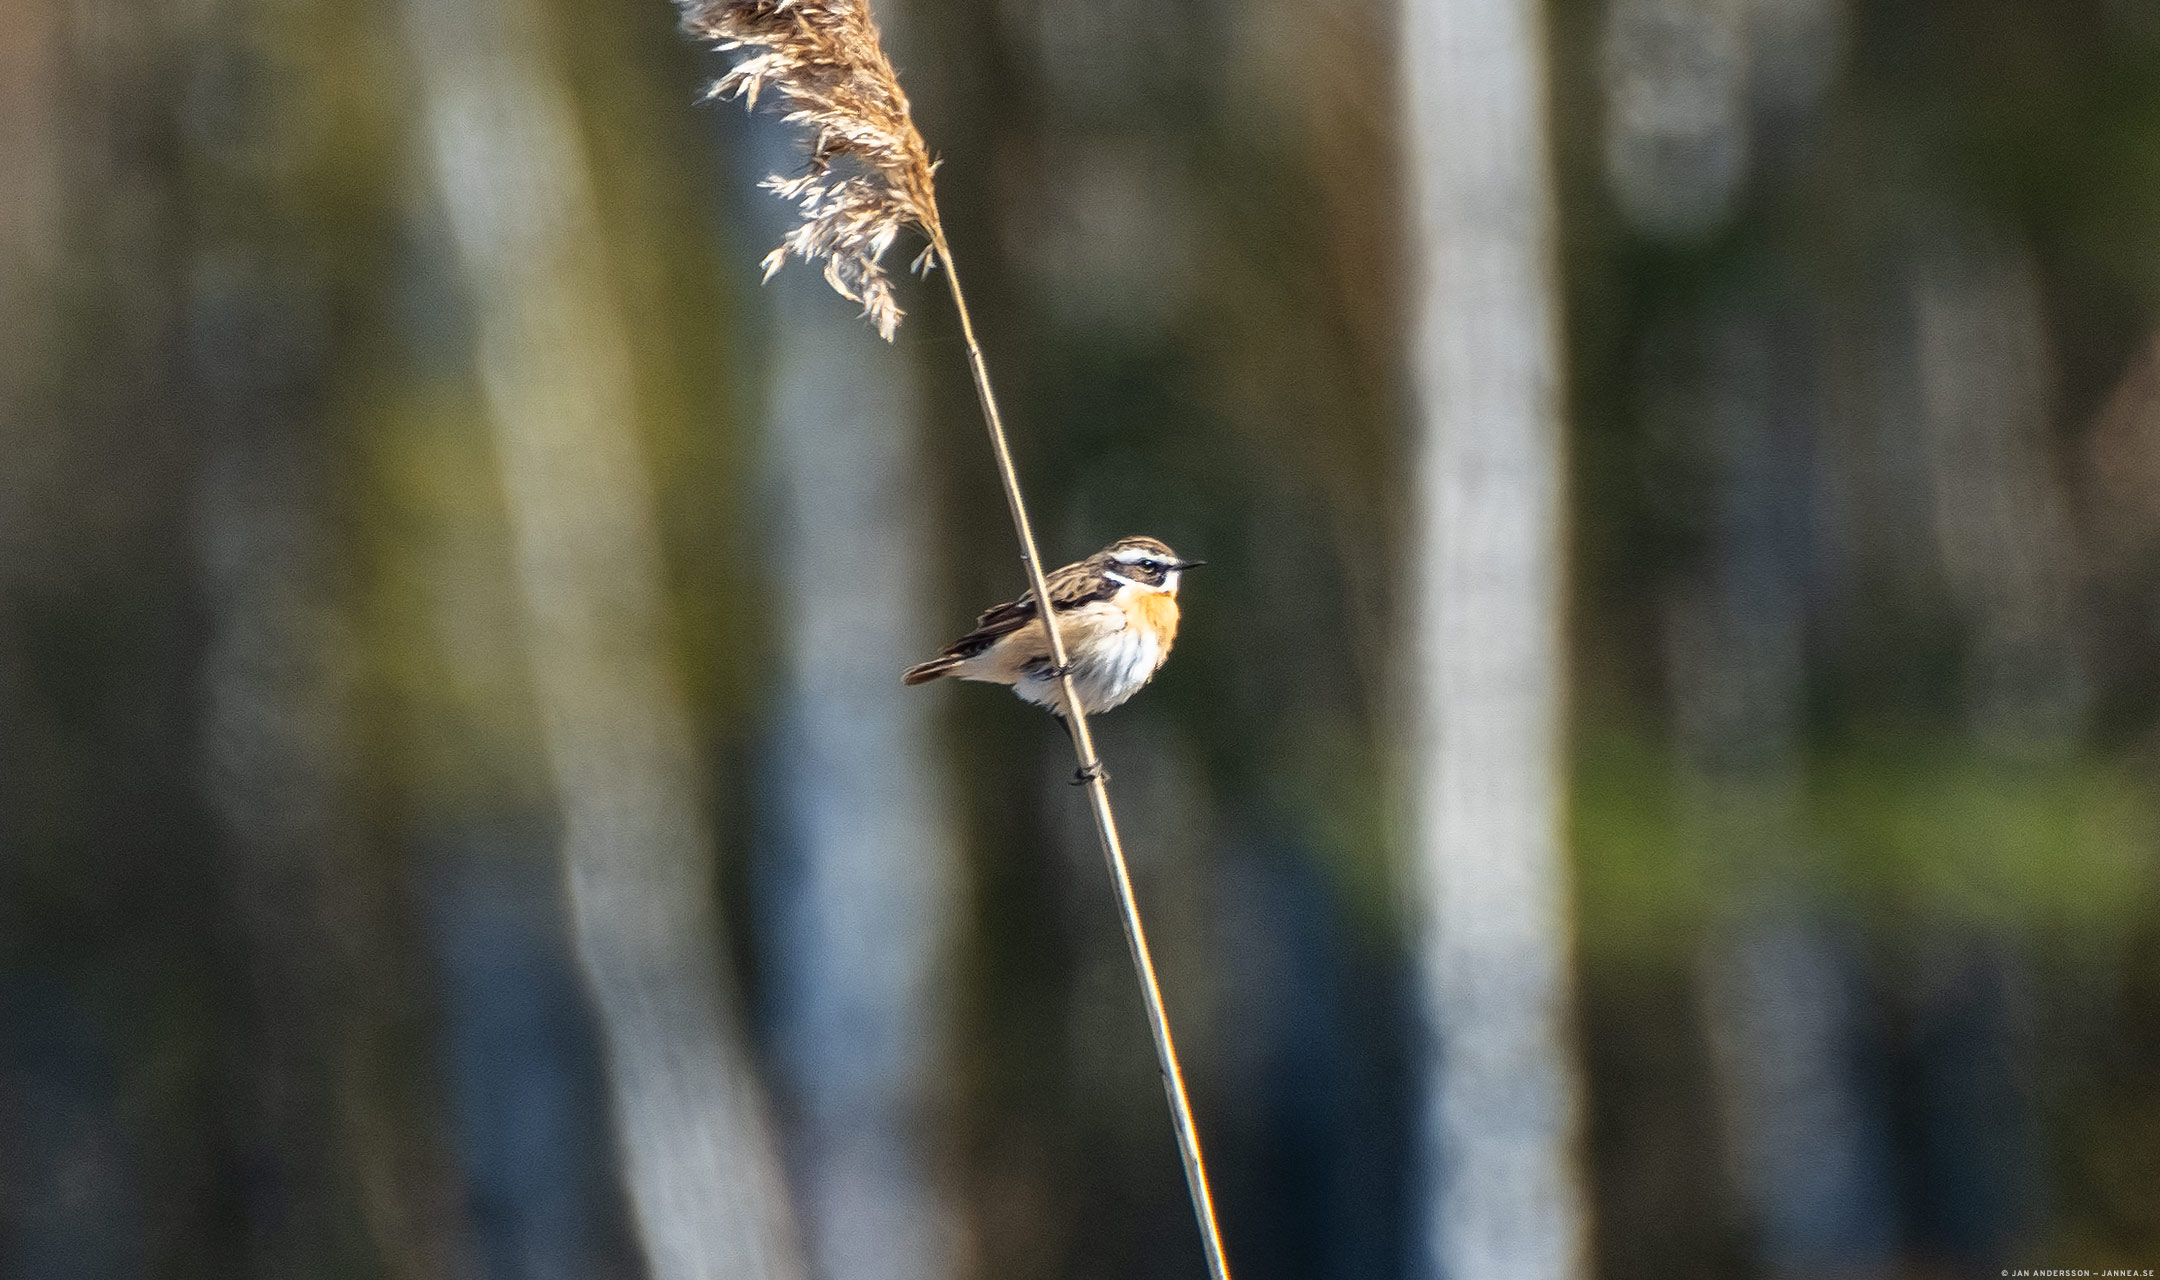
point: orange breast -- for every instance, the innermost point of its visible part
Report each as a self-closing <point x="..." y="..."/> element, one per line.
<point x="1159" y="613"/>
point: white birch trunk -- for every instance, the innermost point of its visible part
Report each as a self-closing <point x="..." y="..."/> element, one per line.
<point x="862" y="904"/>
<point x="1499" y="1192"/>
<point x="705" y="1192"/>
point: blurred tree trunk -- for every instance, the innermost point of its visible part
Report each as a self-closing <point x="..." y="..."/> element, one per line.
<point x="861" y="903"/>
<point x="351" y="1175"/>
<point x="164" y="516"/>
<point x="342" y="1179"/>
<point x="1981" y="385"/>
<point x="1783" y="996"/>
<point x="1501" y="1197"/>
<point x="31" y="169"/>
<point x="105" y="902"/>
<point x="704" y="1187"/>
<point x="860" y="899"/>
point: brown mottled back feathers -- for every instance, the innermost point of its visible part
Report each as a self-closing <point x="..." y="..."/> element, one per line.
<point x="1081" y="582"/>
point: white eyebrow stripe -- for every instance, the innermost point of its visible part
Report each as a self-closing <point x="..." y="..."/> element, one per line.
<point x="1134" y="555"/>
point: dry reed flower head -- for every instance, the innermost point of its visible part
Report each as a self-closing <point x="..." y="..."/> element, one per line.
<point x="869" y="175"/>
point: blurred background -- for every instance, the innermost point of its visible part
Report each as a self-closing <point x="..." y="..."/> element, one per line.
<point x="458" y="812"/>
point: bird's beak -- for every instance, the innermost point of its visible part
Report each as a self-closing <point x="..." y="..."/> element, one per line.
<point x="1190" y="564"/>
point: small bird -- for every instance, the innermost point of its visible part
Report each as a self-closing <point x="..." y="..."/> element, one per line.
<point x="1117" y="612"/>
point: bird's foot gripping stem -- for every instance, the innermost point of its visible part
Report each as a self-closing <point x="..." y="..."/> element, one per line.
<point x="1090" y="773"/>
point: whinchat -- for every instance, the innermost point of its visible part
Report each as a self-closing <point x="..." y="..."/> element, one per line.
<point x="1117" y="613"/>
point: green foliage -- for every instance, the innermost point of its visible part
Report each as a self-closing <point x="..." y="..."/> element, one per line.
<point x="1642" y="888"/>
<point x="2059" y="853"/>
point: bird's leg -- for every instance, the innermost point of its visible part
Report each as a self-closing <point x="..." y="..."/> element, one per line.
<point x="1041" y="668"/>
<point x="1090" y="773"/>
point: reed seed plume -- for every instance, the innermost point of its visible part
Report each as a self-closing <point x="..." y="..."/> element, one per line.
<point x="868" y="175"/>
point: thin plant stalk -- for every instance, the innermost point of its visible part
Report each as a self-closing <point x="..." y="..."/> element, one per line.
<point x="870" y="177"/>
<point x="1098" y="788"/>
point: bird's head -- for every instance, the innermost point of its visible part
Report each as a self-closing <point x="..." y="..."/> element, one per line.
<point x="1147" y="564"/>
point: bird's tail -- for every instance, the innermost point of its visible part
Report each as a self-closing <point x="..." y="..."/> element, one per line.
<point x="924" y="672"/>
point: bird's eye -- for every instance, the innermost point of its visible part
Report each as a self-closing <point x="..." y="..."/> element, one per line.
<point x="1151" y="566"/>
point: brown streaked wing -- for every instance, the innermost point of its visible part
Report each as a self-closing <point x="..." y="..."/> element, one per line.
<point x="1074" y="585"/>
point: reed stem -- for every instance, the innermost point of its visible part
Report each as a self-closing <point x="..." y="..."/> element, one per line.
<point x="1098" y="788"/>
